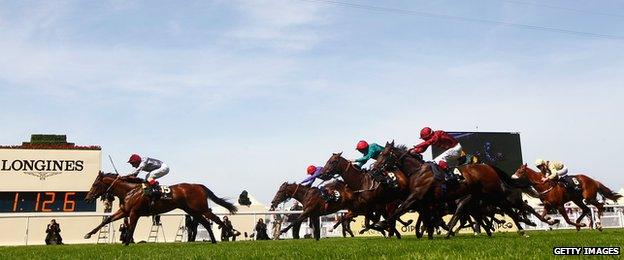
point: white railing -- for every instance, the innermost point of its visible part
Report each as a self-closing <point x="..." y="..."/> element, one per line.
<point x="26" y="228"/>
<point x="613" y="217"/>
<point x="73" y="227"/>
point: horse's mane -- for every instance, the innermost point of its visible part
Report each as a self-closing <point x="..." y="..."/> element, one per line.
<point x="402" y="148"/>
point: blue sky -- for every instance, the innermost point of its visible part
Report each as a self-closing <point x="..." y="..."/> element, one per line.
<point x="245" y="94"/>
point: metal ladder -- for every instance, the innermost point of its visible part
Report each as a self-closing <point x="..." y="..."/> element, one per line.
<point x="180" y="233"/>
<point x="153" y="234"/>
<point x="104" y="234"/>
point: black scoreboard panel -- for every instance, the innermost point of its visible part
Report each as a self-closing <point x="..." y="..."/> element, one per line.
<point x="52" y="201"/>
<point x="500" y="149"/>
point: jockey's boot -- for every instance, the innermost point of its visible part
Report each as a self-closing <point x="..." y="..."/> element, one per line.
<point x="153" y="193"/>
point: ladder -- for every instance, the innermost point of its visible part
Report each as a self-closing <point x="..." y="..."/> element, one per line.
<point x="104" y="234"/>
<point x="154" y="233"/>
<point x="180" y="233"/>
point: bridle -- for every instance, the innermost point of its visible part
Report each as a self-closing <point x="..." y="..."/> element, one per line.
<point x="112" y="184"/>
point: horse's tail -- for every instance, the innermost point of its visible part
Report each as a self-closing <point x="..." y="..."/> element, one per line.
<point x="220" y="201"/>
<point x="607" y="193"/>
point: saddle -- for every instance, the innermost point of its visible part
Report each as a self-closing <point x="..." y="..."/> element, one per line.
<point x="157" y="191"/>
<point x="572" y="184"/>
<point x="388" y="180"/>
<point x="329" y="196"/>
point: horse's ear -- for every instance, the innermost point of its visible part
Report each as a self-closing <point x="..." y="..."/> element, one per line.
<point x="100" y="173"/>
<point x="525" y="165"/>
<point x="392" y="143"/>
<point x="340" y="154"/>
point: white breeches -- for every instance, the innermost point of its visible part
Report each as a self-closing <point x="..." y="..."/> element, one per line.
<point x="155" y="174"/>
<point x="450" y="156"/>
<point x="559" y="173"/>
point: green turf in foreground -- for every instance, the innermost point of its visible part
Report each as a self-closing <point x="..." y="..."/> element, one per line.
<point x="501" y="246"/>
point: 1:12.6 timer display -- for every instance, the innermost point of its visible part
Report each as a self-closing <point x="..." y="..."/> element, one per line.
<point x="53" y="201"/>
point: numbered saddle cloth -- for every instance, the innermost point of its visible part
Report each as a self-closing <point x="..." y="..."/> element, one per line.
<point x="158" y="191"/>
<point x="571" y="183"/>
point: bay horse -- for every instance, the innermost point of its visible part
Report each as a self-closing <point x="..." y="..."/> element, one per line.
<point x="555" y="196"/>
<point x="372" y="197"/>
<point x="192" y="198"/>
<point x="482" y="183"/>
<point x="314" y="206"/>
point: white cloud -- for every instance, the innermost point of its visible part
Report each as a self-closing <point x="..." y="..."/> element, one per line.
<point x="289" y="25"/>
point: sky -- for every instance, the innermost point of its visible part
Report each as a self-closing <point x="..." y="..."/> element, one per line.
<point x="246" y="94"/>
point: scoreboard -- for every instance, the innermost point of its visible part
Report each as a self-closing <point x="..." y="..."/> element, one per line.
<point x="495" y="148"/>
<point x="47" y="180"/>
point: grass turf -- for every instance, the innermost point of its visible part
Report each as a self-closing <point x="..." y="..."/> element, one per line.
<point x="538" y="245"/>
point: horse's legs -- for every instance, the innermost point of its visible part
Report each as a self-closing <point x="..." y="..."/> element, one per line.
<point x="563" y="213"/>
<point x="405" y="223"/>
<point x="133" y="220"/>
<point x="342" y="219"/>
<point x="393" y="230"/>
<point x="541" y="217"/>
<point x="506" y="207"/>
<point x="479" y="220"/>
<point x="401" y="209"/>
<point x="459" y="212"/>
<point x="306" y="213"/>
<point x="600" y="209"/>
<point x="586" y="212"/>
<point x="419" y="234"/>
<point x="117" y="215"/>
<point x="316" y="226"/>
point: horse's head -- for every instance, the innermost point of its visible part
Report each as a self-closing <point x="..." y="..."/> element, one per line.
<point x="334" y="166"/>
<point x="98" y="188"/>
<point x="524" y="172"/>
<point x="389" y="158"/>
<point x="281" y="195"/>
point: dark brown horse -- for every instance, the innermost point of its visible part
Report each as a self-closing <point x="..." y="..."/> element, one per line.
<point x="555" y="196"/>
<point x="314" y="206"/>
<point x="372" y="197"/>
<point x="482" y="183"/>
<point x="192" y="198"/>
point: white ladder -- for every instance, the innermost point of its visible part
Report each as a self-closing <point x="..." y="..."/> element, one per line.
<point x="104" y="234"/>
<point x="180" y="233"/>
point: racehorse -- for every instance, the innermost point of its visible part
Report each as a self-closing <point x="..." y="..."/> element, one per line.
<point x="481" y="183"/>
<point x="372" y="196"/>
<point x="555" y="196"/>
<point x="314" y="206"/>
<point x="191" y="198"/>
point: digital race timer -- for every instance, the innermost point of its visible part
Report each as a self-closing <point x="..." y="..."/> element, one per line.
<point x="53" y="201"/>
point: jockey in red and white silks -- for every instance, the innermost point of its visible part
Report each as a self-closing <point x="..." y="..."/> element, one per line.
<point x="440" y="139"/>
<point x="155" y="168"/>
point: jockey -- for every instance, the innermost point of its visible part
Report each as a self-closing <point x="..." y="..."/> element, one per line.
<point x="372" y="151"/>
<point x="369" y="151"/>
<point x="551" y="169"/>
<point x="154" y="167"/>
<point x="440" y="139"/>
<point x="314" y="172"/>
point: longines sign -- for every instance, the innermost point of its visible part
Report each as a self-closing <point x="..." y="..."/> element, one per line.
<point x="50" y="170"/>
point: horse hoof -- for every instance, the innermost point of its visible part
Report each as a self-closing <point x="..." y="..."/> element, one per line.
<point x="521" y="232"/>
<point x="87" y="236"/>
